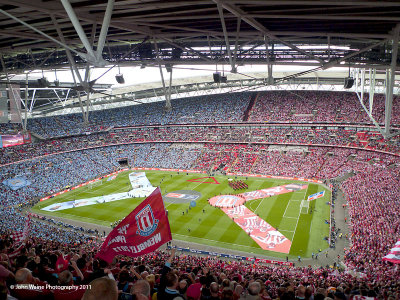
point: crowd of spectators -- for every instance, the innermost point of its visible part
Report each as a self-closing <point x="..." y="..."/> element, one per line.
<point x="370" y="208"/>
<point x="161" y="275"/>
<point x="273" y="106"/>
<point x="56" y="172"/>
<point x="205" y="109"/>
<point x="319" y="106"/>
<point x="372" y="194"/>
<point x="187" y="134"/>
<point x="373" y="206"/>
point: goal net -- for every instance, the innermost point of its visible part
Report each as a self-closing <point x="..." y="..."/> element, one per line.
<point x="93" y="184"/>
<point x="304" y="207"/>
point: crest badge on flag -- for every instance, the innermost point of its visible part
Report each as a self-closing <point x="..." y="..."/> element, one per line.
<point x="146" y="222"/>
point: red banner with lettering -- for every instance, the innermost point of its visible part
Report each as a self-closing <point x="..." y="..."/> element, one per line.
<point x="143" y="231"/>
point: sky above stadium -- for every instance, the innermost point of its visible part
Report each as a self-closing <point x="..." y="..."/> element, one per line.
<point x="136" y="75"/>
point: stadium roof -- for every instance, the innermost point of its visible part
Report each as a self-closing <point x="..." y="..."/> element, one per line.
<point x="196" y="32"/>
<point x="52" y="34"/>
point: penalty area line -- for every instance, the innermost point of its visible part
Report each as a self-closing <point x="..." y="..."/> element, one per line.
<point x="298" y="218"/>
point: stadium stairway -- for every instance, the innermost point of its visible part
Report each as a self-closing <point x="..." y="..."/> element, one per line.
<point x="193" y="166"/>
<point x="321" y="166"/>
<point x="38" y="136"/>
<point x="249" y="108"/>
<point x="232" y="165"/>
<point x="253" y="164"/>
<point x="340" y="165"/>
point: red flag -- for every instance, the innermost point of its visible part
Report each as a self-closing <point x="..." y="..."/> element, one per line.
<point x="143" y="231"/>
<point x="20" y="236"/>
<point x="16" y="251"/>
<point x="61" y="264"/>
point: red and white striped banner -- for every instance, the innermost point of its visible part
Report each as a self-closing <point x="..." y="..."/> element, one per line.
<point x="20" y="236"/>
<point x="394" y="254"/>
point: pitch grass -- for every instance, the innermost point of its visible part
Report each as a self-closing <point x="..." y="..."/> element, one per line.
<point x="212" y="227"/>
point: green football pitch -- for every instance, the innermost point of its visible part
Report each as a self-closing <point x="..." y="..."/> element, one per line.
<point x="207" y="225"/>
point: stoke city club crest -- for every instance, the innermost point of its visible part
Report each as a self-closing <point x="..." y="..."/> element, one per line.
<point x="146" y="222"/>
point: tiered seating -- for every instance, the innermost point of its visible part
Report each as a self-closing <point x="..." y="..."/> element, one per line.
<point x="372" y="194"/>
<point x="206" y="109"/>
<point x="318" y="106"/>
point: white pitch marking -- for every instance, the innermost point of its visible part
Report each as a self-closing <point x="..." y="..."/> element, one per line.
<point x="298" y="218"/>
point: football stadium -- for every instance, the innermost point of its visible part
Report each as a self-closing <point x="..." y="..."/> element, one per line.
<point x="192" y="150"/>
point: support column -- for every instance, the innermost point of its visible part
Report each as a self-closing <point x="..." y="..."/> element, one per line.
<point x="78" y="28"/>
<point x="227" y="44"/>
<point x="390" y="81"/>
<point x="270" y="79"/>
<point x="372" y="75"/>
<point x="93" y="57"/>
<point x="104" y="29"/>
<point x="25" y="120"/>
<point x="74" y="69"/>
<point x="239" y="21"/>
<point x="360" y="95"/>
<point x="168" y="106"/>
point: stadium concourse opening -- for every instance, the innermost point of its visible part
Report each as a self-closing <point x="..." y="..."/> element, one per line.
<point x="123" y="163"/>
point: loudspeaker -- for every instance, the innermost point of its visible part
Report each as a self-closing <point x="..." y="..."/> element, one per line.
<point x="348" y="82"/>
<point x="120" y="78"/>
<point x="43" y="82"/>
<point x="176" y="53"/>
<point x="145" y="51"/>
<point x="217" y="77"/>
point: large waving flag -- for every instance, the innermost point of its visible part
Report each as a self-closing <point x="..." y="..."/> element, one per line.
<point x="20" y="236"/>
<point x="144" y="230"/>
<point x="394" y="254"/>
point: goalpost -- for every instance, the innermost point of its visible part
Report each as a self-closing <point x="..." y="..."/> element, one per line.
<point x="304" y="207"/>
<point x="93" y="184"/>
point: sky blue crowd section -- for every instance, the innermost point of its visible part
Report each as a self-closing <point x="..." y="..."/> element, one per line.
<point x="208" y="109"/>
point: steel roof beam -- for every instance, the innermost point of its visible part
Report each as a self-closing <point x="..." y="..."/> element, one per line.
<point x="38" y="31"/>
<point x="241" y="14"/>
<point x="91" y="55"/>
<point x="317" y="3"/>
<point x="227" y="43"/>
<point x="104" y="29"/>
<point x="323" y="17"/>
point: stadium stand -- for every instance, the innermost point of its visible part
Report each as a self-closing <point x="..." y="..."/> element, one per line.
<point x="317" y="151"/>
<point x="276" y="106"/>
<point x="213" y="109"/>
